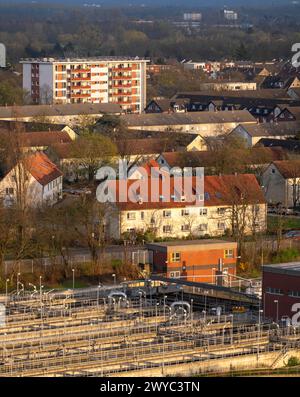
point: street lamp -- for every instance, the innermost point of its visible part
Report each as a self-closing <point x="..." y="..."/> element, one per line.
<point x="73" y="271"/>
<point x="18" y="275"/>
<point x="114" y="277"/>
<point x="165" y="297"/>
<point x="6" y="290"/>
<point x="205" y="299"/>
<point x="260" y="311"/>
<point x="276" y="301"/>
<point x="98" y="292"/>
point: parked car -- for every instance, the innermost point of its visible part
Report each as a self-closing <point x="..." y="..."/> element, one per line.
<point x="292" y="234"/>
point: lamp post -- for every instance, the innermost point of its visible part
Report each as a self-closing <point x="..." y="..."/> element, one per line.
<point x="276" y="301"/>
<point x="114" y="277"/>
<point x="260" y="311"/>
<point x="205" y="299"/>
<point x="98" y="292"/>
<point x="6" y="290"/>
<point x="73" y="271"/>
<point x="41" y="289"/>
<point x="18" y="275"/>
<point x="165" y="297"/>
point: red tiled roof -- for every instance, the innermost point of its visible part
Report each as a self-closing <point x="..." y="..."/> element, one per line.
<point x="220" y="191"/>
<point x="288" y="168"/>
<point x="44" y="138"/>
<point x="42" y="168"/>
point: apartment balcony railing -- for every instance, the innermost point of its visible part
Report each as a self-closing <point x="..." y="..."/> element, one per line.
<point x="81" y="78"/>
<point x="122" y="69"/>
<point x="121" y="86"/>
<point x="115" y="77"/>
<point x="80" y="95"/>
<point x="80" y="71"/>
<point x="80" y="87"/>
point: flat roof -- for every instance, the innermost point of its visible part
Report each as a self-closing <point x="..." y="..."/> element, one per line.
<point x="81" y="60"/>
<point x="192" y="244"/>
<point x="290" y="268"/>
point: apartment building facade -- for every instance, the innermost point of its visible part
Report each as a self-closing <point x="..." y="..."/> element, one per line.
<point x="118" y="80"/>
<point x="229" y="201"/>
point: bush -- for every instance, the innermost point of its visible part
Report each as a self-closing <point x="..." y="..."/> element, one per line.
<point x="293" y="362"/>
<point x="286" y="255"/>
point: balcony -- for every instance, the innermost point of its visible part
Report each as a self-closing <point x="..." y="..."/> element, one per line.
<point x="122" y="69"/>
<point x="81" y="78"/>
<point x="121" y="86"/>
<point x="80" y="87"/>
<point x="80" y="95"/>
<point x="121" y="77"/>
<point x="118" y="94"/>
<point x="80" y="71"/>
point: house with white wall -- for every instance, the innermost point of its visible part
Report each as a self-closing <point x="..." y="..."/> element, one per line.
<point x="35" y="180"/>
<point x="281" y="183"/>
<point x="175" y="216"/>
<point x="251" y="134"/>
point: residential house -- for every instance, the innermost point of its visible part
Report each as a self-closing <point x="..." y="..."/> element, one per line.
<point x="203" y="123"/>
<point x="289" y="113"/>
<point x="251" y="134"/>
<point x="70" y="114"/>
<point x="176" y="216"/>
<point x="221" y="85"/>
<point x="294" y="93"/>
<point x="36" y="180"/>
<point x="288" y="145"/>
<point x="163" y="105"/>
<point x="281" y="183"/>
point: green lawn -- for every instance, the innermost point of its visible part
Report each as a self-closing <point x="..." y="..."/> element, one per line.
<point x="289" y="222"/>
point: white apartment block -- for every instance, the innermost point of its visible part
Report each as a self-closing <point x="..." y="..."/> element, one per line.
<point x="185" y="221"/>
<point x="118" y="80"/>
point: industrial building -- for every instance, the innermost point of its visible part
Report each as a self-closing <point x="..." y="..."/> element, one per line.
<point x="281" y="291"/>
<point x="196" y="260"/>
<point x="118" y="80"/>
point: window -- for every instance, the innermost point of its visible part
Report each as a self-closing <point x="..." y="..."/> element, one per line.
<point x="294" y="294"/>
<point x="174" y="274"/>
<point x="9" y="191"/>
<point x="185" y="228"/>
<point x="167" y="214"/>
<point x="175" y="257"/>
<point x="185" y="212"/>
<point x="142" y="215"/>
<point x="221" y="211"/>
<point x="131" y="216"/>
<point x="228" y="253"/>
<point x="203" y="227"/>
<point x="221" y="225"/>
<point x="203" y="211"/>
<point x="167" y="229"/>
<point x="274" y="291"/>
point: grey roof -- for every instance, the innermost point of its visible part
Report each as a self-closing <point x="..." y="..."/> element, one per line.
<point x="263" y="93"/>
<point x="291" y="268"/>
<point x="272" y="129"/>
<point x="292" y="145"/>
<point x="153" y="119"/>
<point x="59" y="110"/>
<point x="296" y="91"/>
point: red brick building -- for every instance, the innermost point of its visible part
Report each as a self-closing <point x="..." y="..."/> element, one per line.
<point x="281" y="290"/>
<point x="195" y="260"/>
